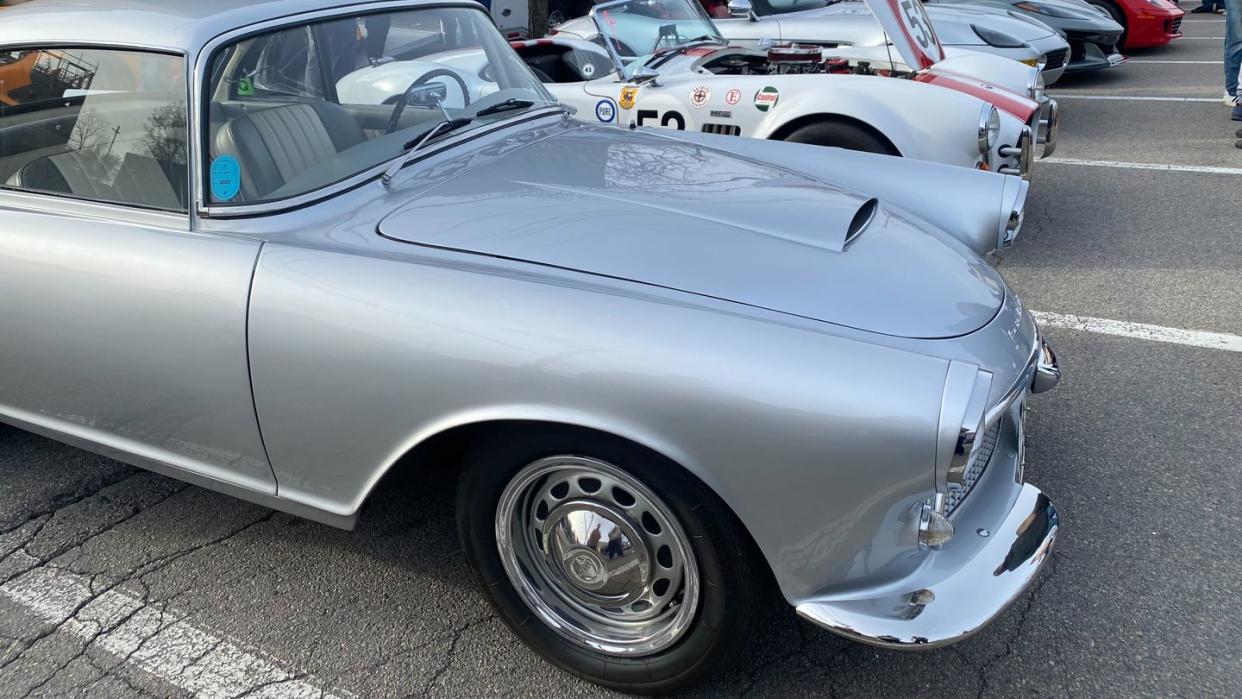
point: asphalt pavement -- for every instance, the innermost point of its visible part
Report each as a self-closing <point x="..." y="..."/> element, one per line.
<point x="117" y="582"/>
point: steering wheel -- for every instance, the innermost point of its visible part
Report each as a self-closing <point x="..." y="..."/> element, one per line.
<point x="399" y="108"/>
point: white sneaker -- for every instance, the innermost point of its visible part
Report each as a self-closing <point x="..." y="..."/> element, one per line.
<point x="1230" y="100"/>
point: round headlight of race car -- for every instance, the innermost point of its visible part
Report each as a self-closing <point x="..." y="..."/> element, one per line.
<point x="996" y="38"/>
<point x="989" y="128"/>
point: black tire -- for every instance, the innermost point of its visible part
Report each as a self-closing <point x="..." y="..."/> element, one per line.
<point x="731" y="593"/>
<point x="842" y="135"/>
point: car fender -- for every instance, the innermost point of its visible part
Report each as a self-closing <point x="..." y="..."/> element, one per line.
<point x="983" y="203"/>
<point x="923" y="122"/>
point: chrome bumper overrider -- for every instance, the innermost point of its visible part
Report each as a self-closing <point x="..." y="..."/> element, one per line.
<point x="960" y="600"/>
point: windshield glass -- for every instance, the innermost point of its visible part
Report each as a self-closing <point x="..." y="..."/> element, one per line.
<point x="642" y="27"/>
<point x="303" y="107"/>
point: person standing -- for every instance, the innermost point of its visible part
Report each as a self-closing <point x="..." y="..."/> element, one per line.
<point x="1209" y="6"/>
<point x="1233" y="50"/>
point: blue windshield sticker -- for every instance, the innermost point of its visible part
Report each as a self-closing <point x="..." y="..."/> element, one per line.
<point x="605" y="110"/>
<point x="225" y="178"/>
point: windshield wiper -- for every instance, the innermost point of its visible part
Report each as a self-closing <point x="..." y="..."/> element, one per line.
<point x="439" y="129"/>
<point x="505" y="106"/>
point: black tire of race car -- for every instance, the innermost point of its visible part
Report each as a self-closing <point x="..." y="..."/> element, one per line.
<point x="842" y="135"/>
<point x="736" y="581"/>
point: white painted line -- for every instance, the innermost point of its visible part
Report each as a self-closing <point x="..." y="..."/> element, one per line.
<point x="1206" y="169"/>
<point x="1202" y="38"/>
<point x="1182" y="63"/>
<point x="1132" y="98"/>
<point x="162" y="643"/>
<point x="1141" y="331"/>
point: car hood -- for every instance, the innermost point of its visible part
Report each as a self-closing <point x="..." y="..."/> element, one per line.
<point x="656" y="210"/>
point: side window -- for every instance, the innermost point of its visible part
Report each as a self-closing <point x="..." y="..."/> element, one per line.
<point x="273" y="66"/>
<point x="100" y="124"/>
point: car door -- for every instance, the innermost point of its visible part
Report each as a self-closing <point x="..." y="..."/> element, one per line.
<point x="124" y="330"/>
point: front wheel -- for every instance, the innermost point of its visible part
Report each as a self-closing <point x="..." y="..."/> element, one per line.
<point x="609" y="560"/>
<point x="841" y="135"/>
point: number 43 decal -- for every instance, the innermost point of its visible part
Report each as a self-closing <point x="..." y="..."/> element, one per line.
<point x="671" y="118"/>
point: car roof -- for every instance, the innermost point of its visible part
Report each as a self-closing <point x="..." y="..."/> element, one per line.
<point x="179" y="25"/>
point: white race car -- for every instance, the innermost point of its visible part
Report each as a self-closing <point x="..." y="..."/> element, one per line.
<point x="684" y="76"/>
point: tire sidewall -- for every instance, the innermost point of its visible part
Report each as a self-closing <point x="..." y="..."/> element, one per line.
<point x="726" y="601"/>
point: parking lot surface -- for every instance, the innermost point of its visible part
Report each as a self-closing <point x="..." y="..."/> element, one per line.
<point x="114" y="581"/>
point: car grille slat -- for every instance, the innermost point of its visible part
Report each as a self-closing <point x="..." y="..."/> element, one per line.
<point x="980" y="457"/>
<point x="1055" y="59"/>
<point x="723" y="129"/>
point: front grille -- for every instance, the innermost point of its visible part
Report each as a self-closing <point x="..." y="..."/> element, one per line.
<point x="1055" y="59"/>
<point x="979" y="458"/>
<point x="1173" y="26"/>
<point x="723" y="129"/>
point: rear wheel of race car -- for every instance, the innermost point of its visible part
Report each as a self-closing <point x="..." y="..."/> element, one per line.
<point x="842" y="134"/>
<point x="608" y="559"/>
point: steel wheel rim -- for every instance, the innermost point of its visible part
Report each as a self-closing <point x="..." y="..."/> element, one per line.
<point x="597" y="556"/>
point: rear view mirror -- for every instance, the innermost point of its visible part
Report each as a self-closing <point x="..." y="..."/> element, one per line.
<point x="429" y="95"/>
<point x="739" y="8"/>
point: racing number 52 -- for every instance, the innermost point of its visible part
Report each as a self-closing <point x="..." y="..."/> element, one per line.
<point x="671" y="118"/>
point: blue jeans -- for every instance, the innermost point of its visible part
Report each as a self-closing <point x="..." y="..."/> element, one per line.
<point x="1233" y="45"/>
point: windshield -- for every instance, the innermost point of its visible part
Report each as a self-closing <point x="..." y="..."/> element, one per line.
<point x="306" y="106"/>
<point x="641" y="27"/>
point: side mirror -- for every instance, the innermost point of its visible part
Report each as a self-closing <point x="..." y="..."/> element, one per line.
<point x="740" y="8"/>
<point x="644" y="74"/>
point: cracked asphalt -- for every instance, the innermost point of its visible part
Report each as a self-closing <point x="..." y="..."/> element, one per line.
<point x="1139" y="448"/>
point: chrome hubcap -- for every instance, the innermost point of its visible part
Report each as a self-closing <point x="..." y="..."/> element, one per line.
<point x="597" y="556"/>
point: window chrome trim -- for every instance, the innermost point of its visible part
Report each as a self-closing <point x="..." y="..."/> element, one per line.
<point x="199" y="92"/>
<point x="56" y="204"/>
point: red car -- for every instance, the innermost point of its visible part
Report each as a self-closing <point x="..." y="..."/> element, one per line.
<point x="1147" y="22"/>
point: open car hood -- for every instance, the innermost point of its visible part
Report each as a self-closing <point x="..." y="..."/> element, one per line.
<point x="664" y="212"/>
<point x="910" y="29"/>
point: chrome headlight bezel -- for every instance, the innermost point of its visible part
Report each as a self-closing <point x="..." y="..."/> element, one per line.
<point x="989" y="128"/>
<point x="1013" y="211"/>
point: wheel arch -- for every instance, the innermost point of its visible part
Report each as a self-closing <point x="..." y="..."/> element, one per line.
<point x="441" y="452"/>
<point x="785" y="130"/>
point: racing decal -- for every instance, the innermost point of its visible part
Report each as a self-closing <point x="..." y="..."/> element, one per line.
<point x="699" y="97"/>
<point x="910" y="29"/>
<point x="766" y="98"/>
<point x="245" y="87"/>
<point x="627" y="97"/>
<point x="588" y="70"/>
<point x="671" y="119"/>
<point x="605" y="110"/>
<point x="722" y="113"/>
<point x="225" y="178"/>
<point x="733" y="96"/>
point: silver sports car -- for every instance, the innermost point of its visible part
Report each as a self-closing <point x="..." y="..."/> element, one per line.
<point x="671" y="368"/>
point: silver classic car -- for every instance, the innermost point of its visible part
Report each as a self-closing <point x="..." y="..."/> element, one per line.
<point x="671" y="367"/>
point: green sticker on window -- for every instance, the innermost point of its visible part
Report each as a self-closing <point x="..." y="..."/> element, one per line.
<point x="245" y="88"/>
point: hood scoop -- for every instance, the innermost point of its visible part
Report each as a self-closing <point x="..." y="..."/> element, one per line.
<point x="858" y="225"/>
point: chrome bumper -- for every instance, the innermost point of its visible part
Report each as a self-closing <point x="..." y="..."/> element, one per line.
<point x="963" y="599"/>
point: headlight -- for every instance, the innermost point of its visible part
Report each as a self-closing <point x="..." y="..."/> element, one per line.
<point x="989" y="128"/>
<point x="1035" y="83"/>
<point x="998" y="39"/>
<point x="1013" y="211"/>
<point x="1154" y="3"/>
<point x="1042" y="9"/>
<point x="963" y="408"/>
